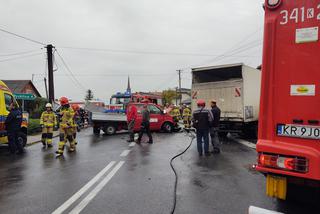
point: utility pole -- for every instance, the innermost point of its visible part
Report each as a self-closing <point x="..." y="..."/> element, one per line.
<point x="50" y="73"/>
<point x="179" y="72"/>
<point x="45" y="85"/>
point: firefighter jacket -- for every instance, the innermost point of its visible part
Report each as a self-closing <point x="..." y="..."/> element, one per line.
<point x="175" y="112"/>
<point x="66" y="117"/>
<point x="202" y="119"/>
<point x="186" y="112"/>
<point x="48" y="119"/>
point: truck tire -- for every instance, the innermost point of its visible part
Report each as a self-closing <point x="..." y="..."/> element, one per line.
<point x="22" y="139"/>
<point x="110" y="130"/>
<point x="167" y="127"/>
<point x="223" y="135"/>
<point x="96" y="130"/>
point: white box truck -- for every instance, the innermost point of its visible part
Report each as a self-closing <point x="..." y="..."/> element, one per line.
<point x="236" y="88"/>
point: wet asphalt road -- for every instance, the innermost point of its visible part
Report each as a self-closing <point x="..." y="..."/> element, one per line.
<point x="37" y="182"/>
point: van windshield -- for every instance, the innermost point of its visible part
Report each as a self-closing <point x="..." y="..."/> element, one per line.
<point x="8" y="100"/>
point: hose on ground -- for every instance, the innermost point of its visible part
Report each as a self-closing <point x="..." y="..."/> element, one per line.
<point x="192" y="136"/>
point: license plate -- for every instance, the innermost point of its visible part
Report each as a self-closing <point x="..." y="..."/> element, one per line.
<point x="289" y="130"/>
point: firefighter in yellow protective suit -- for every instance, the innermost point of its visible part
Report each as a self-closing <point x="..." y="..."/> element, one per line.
<point x="48" y="121"/>
<point x="76" y="118"/>
<point x="66" y="126"/>
<point x="175" y="113"/>
<point x="186" y="114"/>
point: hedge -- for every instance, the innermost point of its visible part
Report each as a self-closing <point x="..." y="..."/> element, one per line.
<point x="34" y="126"/>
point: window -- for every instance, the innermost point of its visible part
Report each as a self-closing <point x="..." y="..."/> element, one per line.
<point x="153" y="109"/>
<point x="8" y="99"/>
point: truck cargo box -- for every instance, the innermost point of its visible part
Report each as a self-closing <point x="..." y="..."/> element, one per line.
<point x="235" y="87"/>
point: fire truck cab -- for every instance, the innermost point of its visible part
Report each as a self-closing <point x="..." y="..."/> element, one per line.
<point x="289" y="123"/>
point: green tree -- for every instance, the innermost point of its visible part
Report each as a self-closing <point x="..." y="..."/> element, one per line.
<point x="168" y="96"/>
<point x="89" y="95"/>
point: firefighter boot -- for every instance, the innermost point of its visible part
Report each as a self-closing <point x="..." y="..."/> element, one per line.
<point x="72" y="147"/>
<point x="43" y="139"/>
<point x="61" y="144"/>
<point x="49" y="138"/>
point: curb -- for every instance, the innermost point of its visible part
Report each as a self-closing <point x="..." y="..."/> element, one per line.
<point x="39" y="141"/>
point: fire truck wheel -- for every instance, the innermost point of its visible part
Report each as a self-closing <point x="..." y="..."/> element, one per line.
<point x="110" y="130"/>
<point x="167" y="127"/>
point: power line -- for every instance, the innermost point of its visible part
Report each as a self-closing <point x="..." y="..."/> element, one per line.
<point x="18" y="53"/>
<point x="142" y="52"/>
<point x="70" y="72"/>
<point x="230" y="52"/>
<point x="21" y="57"/>
<point x="22" y="37"/>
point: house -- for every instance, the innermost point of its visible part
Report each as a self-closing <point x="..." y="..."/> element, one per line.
<point x="22" y="87"/>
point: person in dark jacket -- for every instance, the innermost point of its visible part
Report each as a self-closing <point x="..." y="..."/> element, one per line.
<point x="202" y="121"/>
<point x="13" y="127"/>
<point x="145" y="125"/>
<point x="216" y="112"/>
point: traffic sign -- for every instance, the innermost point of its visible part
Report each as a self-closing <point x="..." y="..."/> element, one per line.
<point x="24" y="96"/>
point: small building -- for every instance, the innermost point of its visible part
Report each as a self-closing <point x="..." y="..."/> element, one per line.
<point x="22" y="87"/>
<point x="25" y="93"/>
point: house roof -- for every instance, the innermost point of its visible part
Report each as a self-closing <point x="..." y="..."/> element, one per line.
<point x="17" y="86"/>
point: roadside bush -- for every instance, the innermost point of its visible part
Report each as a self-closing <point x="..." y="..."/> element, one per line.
<point x="34" y="126"/>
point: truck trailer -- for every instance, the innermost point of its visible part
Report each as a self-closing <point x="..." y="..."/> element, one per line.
<point x="236" y="88"/>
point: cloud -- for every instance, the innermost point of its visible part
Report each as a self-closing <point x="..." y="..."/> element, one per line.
<point x="169" y="26"/>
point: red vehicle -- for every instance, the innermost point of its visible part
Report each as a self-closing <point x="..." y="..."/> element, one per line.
<point x="289" y="129"/>
<point x="110" y="123"/>
<point x="158" y="119"/>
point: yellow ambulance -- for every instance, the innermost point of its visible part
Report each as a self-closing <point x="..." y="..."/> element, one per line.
<point x="6" y="98"/>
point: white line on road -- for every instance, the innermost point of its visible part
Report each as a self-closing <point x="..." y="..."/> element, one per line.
<point x="125" y="153"/>
<point x="246" y="143"/>
<point x="85" y="188"/>
<point x="258" y="210"/>
<point x="96" y="190"/>
<point x="132" y="144"/>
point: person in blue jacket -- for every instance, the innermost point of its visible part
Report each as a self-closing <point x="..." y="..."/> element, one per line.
<point x="13" y="127"/>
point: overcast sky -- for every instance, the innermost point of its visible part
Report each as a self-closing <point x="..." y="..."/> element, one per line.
<point x="145" y="39"/>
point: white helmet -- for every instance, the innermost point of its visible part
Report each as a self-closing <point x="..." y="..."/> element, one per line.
<point x="48" y="105"/>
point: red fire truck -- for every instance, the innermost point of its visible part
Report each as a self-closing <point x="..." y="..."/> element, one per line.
<point x="289" y="130"/>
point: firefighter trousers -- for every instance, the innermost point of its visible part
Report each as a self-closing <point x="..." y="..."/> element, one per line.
<point x="47" y="134"/>
<point x="187" y="122"/>
<point x="66" y="134"/>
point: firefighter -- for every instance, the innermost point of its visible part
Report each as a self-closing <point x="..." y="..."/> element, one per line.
<point x="145" y="125"/>
<point x="214" y="131"/>
<point x="187" y="117"/>
<point x="175" y="113"/>
<point x="76" y="121"/>
<point x="66" y="126"/>
<point x="202" y="121"/>
<point x="47" y="121"/>
<point x="132" y="115"/>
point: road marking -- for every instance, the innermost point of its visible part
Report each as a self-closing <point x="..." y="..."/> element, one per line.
<point x="125" y="153"/>
<point x="246" y="143"/>
<point x="132" y="144"/>
<point x="96" y="190"/>
<point x="85" y="188"/>
<point x="257" y="210"/>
